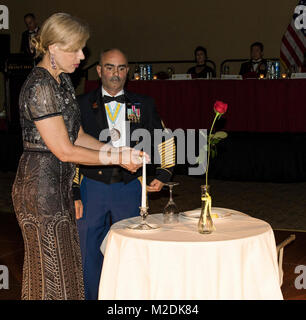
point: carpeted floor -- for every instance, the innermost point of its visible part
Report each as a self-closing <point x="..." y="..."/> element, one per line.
<point x="281" y="205"/>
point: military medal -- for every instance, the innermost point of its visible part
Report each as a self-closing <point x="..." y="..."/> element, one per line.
<point x="134" y="114"/>
<point x="114" y="133"/>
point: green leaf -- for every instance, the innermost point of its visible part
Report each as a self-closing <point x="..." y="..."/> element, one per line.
<point x="220" y="135"/>
<point x="214" y="141"/>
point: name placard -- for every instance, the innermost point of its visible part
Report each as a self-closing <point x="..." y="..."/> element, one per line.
<point x="300" y="75"/>
<point x="231" y="76"/>
<point x="181" y="76"/>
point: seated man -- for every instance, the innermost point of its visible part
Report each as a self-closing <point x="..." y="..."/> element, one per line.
<point x="26" y="46"/>
<point x="201" y="70"/>
<point x="256" y="65"/>
<point x="109" y="194"/>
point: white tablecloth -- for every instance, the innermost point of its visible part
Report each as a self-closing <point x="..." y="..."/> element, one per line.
<point x="237" y="261"/>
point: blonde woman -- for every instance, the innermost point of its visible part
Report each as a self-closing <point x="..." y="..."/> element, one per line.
<point x="53" y="141"/>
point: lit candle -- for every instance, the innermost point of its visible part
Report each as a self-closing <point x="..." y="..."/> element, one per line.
<point x="144" y="183"/>
<point x="284" y="75"/>
<point x="261" y="76"/>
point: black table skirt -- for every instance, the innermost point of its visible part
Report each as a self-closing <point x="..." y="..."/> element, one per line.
<point x="266" y="157"/>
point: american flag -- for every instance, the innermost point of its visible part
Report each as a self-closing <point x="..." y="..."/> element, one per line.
<point x="293" y="46"/>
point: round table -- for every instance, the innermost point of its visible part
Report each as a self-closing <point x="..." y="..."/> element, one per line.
<point x="237" y="261"/>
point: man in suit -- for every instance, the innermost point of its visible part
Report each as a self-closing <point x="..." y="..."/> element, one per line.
<point x="26" y="46"/>
<point x="256" y="65"/>
<point x="110" y="194"/>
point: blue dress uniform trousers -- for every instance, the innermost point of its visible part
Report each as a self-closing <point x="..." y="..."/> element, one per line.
<point x="104" y="204"/>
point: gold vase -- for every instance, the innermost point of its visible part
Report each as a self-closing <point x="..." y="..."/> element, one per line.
<point x="205" y="224"/>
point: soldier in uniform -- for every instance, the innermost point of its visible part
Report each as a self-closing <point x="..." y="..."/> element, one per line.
<point x="26" y="46"/>
<point x="105" y="195"/>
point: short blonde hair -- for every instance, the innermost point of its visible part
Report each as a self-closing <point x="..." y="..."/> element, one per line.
<point x="62" y="28"/>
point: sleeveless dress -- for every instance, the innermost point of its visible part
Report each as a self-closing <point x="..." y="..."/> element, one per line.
<point x="42" y="194"/>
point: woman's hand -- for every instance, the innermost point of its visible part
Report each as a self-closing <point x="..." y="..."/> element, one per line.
<point x="131" y="159"/>
<point x="78" y="209"/>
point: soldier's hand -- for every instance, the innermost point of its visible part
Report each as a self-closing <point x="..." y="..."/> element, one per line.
<point x="78" y="209"/>
<point x="155" y="186"/>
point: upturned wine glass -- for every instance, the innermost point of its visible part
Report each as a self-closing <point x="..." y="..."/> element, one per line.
<point x="171" y="212"/>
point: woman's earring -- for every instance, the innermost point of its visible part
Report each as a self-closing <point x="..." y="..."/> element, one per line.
<point x="53" y="65"/>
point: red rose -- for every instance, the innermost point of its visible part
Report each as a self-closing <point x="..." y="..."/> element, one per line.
<point x="220" y="107"/>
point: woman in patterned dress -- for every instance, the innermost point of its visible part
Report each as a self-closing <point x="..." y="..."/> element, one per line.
<point x="54" y="141"/>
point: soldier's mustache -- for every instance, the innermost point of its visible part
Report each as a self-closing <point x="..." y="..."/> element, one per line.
<point x="115" y="78"/>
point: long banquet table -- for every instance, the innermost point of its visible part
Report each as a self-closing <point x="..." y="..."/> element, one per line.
<point x="266" y="122"/>
<point x="237" y="261"/>
<point x="254" y="105"/>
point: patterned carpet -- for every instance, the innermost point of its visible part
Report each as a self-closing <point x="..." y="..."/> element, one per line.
<point x="281" y="205"/>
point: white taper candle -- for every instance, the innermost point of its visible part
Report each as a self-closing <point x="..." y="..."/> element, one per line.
<point x="144" y="184"/>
